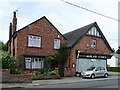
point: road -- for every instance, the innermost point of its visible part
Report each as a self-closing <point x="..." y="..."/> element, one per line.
<point x="108" y="83"/>
<point x="91" y="84"/>
<point x="67" y="82"/>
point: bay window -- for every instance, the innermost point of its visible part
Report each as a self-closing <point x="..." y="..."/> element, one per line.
<point x="34" y="63"/>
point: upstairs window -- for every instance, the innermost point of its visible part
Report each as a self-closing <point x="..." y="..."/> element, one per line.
<point x="34" y="41"/>
<point x="56" y="43"/>
<point x="93" y="43"/>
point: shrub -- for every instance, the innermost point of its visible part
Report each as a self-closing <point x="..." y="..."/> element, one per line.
<point x="56" y="69"/>
<point x="19" y="72"/>
<point x="113" y="69"/>
<point x="45" y="73"/>
<point x="8" y="62"/>
<point x="53" y="73"/>
<point x="35" y="73"/>
<point x="42" y="70"/>
<point x="39" y="72"/>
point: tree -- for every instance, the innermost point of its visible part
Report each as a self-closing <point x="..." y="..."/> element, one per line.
<point x="62" y="57"/>
<point x="59" y="58"/>
<point x="118" y="51"/>
<point x="8" y="61"/>
<point x="3" y="46"/>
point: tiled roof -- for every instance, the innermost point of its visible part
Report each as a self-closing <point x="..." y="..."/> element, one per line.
<point x="73" y="36"/>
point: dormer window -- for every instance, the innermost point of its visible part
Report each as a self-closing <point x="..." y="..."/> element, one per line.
<point x="34" y="41"/>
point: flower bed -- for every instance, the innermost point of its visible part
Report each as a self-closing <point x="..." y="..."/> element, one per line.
<point x="42" y="77"/>
<point x="45" y="74"/>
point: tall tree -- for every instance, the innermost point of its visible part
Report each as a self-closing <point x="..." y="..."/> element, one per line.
<point x="3" y="46"/>
<point x="62" y="58"/>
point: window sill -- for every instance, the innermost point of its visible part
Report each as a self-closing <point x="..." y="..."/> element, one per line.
<point x="56" y="49"/>
<point x="34" y="47"/>
<point x="93" y="49"/>
<point x="31" y="69"/>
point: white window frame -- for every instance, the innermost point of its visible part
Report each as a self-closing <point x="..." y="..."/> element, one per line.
<point x="92" y="43"/>
<point x="27" y="61"/>
<point x="56" y="43"/>
<point x="34" y="63"/>
<point x="34" y="41"/>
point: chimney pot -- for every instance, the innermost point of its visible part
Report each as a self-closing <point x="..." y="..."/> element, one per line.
<point x="14" y="15"/>
<point x="14" y="26"/>
<point x="10" y="30"/>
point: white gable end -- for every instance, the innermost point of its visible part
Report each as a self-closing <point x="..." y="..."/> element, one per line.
<point x="94" y="31"/>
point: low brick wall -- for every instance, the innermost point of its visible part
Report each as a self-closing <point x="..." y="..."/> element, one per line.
<point x="15" y="78"/>
<point x="47" y="77"/>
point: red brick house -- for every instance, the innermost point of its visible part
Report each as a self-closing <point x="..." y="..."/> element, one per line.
<point x="89" y="47"/>
<point x="31" y="44"/>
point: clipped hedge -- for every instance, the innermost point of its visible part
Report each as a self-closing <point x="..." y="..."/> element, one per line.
<point x="113" y="69"/>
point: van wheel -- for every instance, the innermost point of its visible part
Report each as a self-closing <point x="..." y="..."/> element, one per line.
<point x="92" y="76"/>
<point x="106" y="75"/>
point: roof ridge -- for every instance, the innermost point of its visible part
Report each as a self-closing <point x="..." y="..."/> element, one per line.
<point x="31" y="23"/>
<point x="79" y="28"/>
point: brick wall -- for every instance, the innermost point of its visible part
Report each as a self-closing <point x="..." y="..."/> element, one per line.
<point x="41" y="28"/>
<point x="101" y="48"/>
<point x="15" y="78"/>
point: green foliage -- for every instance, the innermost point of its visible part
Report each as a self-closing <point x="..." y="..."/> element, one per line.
<point x="39" y="72"/>
<point x="57" y="70"/>
<point x="49" y="59"/>
<point x="8" y="61"/>
<point x="53" y="73"/>
<point x="113" y="69"/>
<point x="3" y="46"/>
<point x="60" y="58"/>
<point x="63" y="54"/>
<point x="118" y="51"/>
<point x="19" y="72"/>
<point x="35" y="73"/>
<point x="42" y="70"/>
<point x="46" y="74"/>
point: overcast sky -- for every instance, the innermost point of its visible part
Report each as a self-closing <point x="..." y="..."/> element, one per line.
<point x="63" y="16"/>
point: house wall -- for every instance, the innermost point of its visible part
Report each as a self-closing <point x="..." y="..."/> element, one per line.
<point x="113" y="62"/>
<point x="41" y="28"/>
<point x="101" y="48"/>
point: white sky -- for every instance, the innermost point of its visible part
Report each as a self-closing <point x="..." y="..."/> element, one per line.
<point x="63" y="16"/>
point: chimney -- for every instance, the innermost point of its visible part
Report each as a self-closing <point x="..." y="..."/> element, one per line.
<point x="14" y="22"/>
<point x="10" y="30"/>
